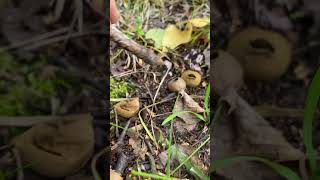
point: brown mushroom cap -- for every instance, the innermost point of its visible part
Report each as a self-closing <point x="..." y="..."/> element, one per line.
<point x="177" y="85"/>
<point x="264" y="55"/>
<point x="128" y="108"/>
<point x="192" y="78"/>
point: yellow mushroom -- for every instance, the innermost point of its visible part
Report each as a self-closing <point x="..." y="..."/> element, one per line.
<point x="192" y="78"/>
<point x="179" y="85"/>
<point x="128" y="108"/>
<point x="264" y="55"/>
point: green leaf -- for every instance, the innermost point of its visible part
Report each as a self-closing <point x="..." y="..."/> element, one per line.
<point x="309" y="111"/>
<point x="156" y="35"/>
<point x="282" y="170"/>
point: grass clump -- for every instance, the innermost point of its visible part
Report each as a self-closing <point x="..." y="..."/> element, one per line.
<point x="119" y="89"/>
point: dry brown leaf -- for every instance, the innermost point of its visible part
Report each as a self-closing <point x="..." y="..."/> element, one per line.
<point x="139" y="147"/>
<point x="188" y="118"/>
<point x="247" y="133"/>
<point x="190" y="104"/>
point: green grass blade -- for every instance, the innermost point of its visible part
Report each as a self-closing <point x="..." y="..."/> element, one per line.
<point x="207" y="99"/>
<point x="149" y="175"/>
<point x="171" y="117"/>
<point x="309" y="111"/>
<point x="184" y="160"/>
<point x="168" y="168"/>
<point x="175" y="114"/>
<point x="282" y="170"/>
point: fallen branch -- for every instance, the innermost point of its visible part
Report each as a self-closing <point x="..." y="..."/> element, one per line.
<point x="140" y="51"/>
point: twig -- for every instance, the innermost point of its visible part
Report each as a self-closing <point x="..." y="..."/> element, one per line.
<point x="33" y="40"/>
<point x="117" y="122"/>
<point x="26" y="121"/>
<point x="5" y="147"/>
<point x="79" y="12"/>
<point x="161" y="82"/>
<point x="122" y="163"/>
<point x="16" y="154"/>
<point x="61" y="38"/>
<point x="152" y="163"/>
<point x="140" y="51"/>
<point x="303" y="169"/>
<point x="121" y="138"/>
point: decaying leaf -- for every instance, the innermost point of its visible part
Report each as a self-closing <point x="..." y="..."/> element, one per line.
<point x="247" y="133"/>
<point x="180" y="152"/>
<point x="188" y="118"/>
<point x="173" y="37"/>
<point x="200" y="22"/>
<point x="156" y="35"/>
<point x="190" y="104"/>
<point x="139" y="147"/>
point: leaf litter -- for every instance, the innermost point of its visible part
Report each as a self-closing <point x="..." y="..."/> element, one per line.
<point x="153" y="137"/>
<point x="241" y="131"/>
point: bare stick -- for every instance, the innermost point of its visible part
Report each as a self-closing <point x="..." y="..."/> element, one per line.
<point x="140" y="51"/>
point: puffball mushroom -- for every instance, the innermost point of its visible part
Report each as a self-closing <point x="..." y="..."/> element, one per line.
<point x="179" y="85"/>
<point x="264" y="55"/>
<point x="192" y="78"/>
<point x="128" y="108"/>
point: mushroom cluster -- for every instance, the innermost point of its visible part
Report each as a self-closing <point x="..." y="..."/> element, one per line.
<point x="191" y="79"/>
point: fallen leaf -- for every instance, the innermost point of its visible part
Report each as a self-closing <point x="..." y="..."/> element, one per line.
<point x="139" y="147"/>
<point x="190" y="104"/>
<point x="247" y="133"/>
<point x="157" y="36"/>
<point x="173" y="37"/>
<point x="200" y="22"/>
<point x="187" y="117"/>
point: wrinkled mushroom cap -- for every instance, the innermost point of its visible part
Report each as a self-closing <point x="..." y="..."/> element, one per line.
<point x="192" y="78"/>
<point x="264" y="55"/>
<point x="177" y="85"/>
<point x="127" y="108"/>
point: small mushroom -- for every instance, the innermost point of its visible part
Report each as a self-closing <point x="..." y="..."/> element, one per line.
<point x="192" y="78"/>
<point x="264" y="55"/>
<point x="128" y="108"/>
<point x="179" y="85"/>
